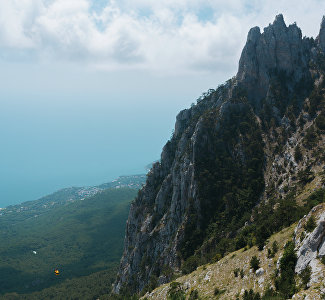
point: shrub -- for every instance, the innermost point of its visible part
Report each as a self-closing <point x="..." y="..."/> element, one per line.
<point x="250" y="295"/>
<point x="320" y="122"/>
<point x="271" y="294"/>
<point x="176" y="292"/>
<point x="190" y="265"/>
<point x="285" y="284"/>
<point x="153" y="283"/>
<point x="236" y="271"/>
<point x="298" y="154"/>
<point x="275" y="247"/>
<point x="310" y="137"/>
<point x="271" y="252"/>
<point x="255" y="263"/>
<point x="218" y="292"/>
<point x="323" y="260"/>
<point x="302" y="236"/>
<point x="310" y="224"/>
<point x="194" y="295"/>
<point x="217" y="257"/>
<point x="305" y="176"/>
<point x="305" y="276"/>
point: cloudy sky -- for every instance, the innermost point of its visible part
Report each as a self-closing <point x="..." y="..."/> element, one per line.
<point x="90" y="89"/>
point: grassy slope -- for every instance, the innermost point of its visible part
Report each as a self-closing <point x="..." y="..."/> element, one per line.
<point x="79" y="238"/>
<point x="221" y="274"/>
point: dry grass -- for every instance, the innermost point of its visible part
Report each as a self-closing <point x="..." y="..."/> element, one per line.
<point x="220" y="275"/>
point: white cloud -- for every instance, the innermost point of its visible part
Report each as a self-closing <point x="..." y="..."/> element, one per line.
<point x="158" y="35"/>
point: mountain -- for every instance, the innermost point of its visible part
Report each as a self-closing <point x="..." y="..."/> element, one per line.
<point x="239" y="167"/>
<point x="83" y="239"/>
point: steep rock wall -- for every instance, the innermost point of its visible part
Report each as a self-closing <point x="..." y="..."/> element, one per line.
<point x="213" y="170"/>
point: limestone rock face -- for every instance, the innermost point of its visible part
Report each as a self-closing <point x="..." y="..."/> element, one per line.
<point x="321" y="36"/>
<point x="278" y="48"/>
<point x="154" y="227"/>
<point x="310" y="247"/>
<point x="171" y="200"/>
<point x="259" y="272"/>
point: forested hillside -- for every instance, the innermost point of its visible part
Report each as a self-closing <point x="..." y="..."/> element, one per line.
<point x="80" y="238"/>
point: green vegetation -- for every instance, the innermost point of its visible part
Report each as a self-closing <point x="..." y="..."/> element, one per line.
<point x="229" y="184"/>
<point x="255" y="263"/>
<point x="270" y="294"/>
<point x="310" y="224"/>
<point x="305" y="176"/>
<point x="194" y="295"/>
<point x="298" y="154"/>
<point x="305" y="276"/>
<point x="323" y="259"/>
<point x="250" y="295"/>
<point x="80" y="238"/>
<point x="269" y="220"/>
<point x="85" y="287"/>
<point x="320" y="121"/>
<point x="275" y="247"/>
<point x="273" y="251"/>
<point x="190" y="265"/>
<point x="176" y="292"/>
<point x="310" y="138"/>
<point x="285" y="283"/>
<point x="315" y="99"/>
<point x="217" y="292"/>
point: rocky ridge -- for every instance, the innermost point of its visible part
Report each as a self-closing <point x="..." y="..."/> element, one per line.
<point x="272" y="108"/>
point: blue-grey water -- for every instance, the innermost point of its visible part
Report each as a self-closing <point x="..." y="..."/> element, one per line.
<point x="61" y="127"/>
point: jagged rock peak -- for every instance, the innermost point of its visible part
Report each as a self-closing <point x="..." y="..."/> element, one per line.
<point x="278" y="48"/>
<point x="254" y="34"/>
<point x="279" y="21"/>
<point x="322" y="25"/>
<point x="322" y="34"/>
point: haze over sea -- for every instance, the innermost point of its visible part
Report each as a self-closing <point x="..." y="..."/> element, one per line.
<point x="90" y="89"/>
<point x="91" y="131"/>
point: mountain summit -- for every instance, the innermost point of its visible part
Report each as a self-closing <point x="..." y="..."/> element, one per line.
<point x="278" y="48"/>
<point x="257" y="139"/>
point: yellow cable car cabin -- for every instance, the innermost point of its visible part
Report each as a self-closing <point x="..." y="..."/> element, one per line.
<point x="56" y="272"/>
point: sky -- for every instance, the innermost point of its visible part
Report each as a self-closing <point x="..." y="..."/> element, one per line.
<point x="90" y="89"/>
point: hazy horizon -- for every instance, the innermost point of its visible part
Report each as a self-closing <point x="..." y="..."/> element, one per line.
<point x="90" y="89"/>
<point x="57" y="139"/>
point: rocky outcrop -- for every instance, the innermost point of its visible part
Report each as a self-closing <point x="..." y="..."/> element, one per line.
<point x="310" y="246"/>
<point x="278" y="49"/>
<point x="321" y="37"/>
<point x="156" y="219"/>
<point x="193" y="184"/>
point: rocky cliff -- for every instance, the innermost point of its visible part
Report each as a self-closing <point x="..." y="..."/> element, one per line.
<point x="278" y="49"/>
<point x="257" y="137"/>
